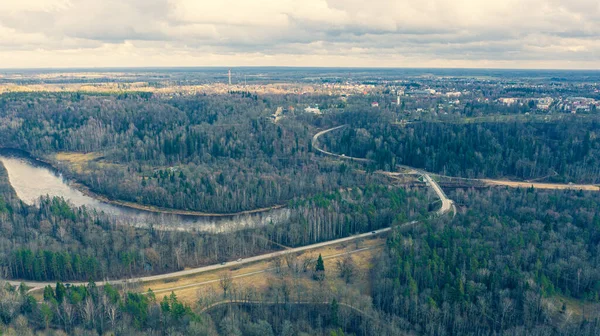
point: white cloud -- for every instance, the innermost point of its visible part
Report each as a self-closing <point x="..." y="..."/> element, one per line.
<point x="513" y="33"/>
<point x="10" y="6"/>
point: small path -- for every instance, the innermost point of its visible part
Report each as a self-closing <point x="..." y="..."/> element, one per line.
<point x="257" y="302"/>
<point x="537" y="185"/>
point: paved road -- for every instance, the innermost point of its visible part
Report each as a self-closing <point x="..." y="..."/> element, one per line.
<point x="447" y="204"/>
<point x="36" y="284"/>
<point x="315" y="145"/>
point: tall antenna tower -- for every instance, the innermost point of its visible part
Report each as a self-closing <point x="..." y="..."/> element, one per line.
<point x="229" y="76"/>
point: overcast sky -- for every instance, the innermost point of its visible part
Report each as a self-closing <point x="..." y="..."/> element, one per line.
<point x="400" y="33"/>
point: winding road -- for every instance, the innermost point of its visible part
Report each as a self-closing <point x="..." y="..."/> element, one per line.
<point x="447" y="204"/>
<point x="315" y="146"/>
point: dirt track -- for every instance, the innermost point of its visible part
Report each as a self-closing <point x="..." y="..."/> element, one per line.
<point x="589" y="187"/>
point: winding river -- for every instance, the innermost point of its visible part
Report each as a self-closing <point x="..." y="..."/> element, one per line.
<point x="32" y="179"/>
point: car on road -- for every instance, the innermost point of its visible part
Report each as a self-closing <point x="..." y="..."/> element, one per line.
<point x="223" y="263"/>
<point x="373" y="232"/>
<point x="240" y="259"/>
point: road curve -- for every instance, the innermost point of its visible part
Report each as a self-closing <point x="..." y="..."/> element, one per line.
<point x="315" y="145"/>
<point x="447" y="204"/>
<point x="489" y="182"/>
<point x="224" y="302"/>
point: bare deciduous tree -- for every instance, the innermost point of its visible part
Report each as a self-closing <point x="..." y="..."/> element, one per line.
<point x="291" y="259"/>
<point x="225" y="282"/>
<point x="307" y="262"/>
<point x="346" y="268"/>
<point x="277" y="263"/>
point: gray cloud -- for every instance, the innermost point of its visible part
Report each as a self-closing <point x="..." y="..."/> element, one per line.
<point x="509" y="33"/>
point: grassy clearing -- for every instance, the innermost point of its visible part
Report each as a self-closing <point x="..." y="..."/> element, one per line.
<point x="259" y="276"/>
<point x="74" y="158"/>
<point x="574" y="309"/>
<point x="77" y="161"/>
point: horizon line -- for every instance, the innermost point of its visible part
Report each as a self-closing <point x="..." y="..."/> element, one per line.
<point x="166" y="67"/>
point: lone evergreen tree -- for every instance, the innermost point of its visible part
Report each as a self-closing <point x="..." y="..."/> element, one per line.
<point x="320" y="265"/>
<point x="319" y="269"/>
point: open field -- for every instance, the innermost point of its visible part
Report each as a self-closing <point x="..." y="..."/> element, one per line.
<point x="261" y="274"/>
<point x="75" y="158"/>
<point x="574" y="309"/>
<point x="351" y="240"/>
<point x="76" y="161"/>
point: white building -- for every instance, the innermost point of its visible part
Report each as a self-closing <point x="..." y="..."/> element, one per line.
<point x="314" y="110"/>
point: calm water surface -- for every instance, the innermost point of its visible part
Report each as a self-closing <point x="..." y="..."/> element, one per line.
<point x="31" y="180"/>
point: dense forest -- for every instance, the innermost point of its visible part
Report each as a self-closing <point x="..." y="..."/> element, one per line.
<point x="54" y="241"/>
<point x="512" y="262"/>
<point x="565" y="151"/>
<point x="85" y="310"/>
<point x="108" y="310"/>
<point x="208" y="153"/>
<point x="502" y="266"/>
